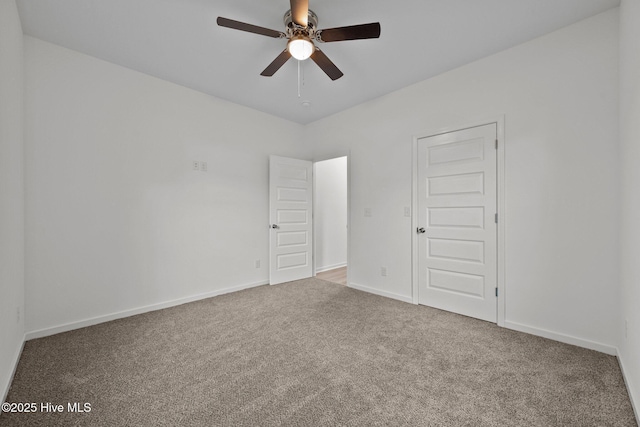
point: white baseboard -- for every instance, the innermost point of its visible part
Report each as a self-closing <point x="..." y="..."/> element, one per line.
<point x="381" y="293"/>
<point x="330" y="267"/>
<point x="126" y="313"/>
<point x="630" y="390"/>
<point x="567" y="339"/>
<point x="16" y="359"/>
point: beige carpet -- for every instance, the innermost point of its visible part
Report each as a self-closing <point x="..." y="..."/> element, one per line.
<point x="314" y="353"/>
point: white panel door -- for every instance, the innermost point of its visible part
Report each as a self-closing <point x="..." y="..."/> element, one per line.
<point x="457" y="232"/>
<point x="290" y="211"/>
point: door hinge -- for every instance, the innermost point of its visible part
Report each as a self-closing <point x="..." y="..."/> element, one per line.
<point x="496" y="291"/>
<point x="496" y="144"/>
<point x="496" y="218"/>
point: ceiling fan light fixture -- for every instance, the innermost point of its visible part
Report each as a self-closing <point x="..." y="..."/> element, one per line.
<point x="300" y="47"/>
<point x="301" y="29"/>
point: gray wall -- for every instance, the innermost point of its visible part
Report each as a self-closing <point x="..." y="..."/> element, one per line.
<point x="11" y="191"/>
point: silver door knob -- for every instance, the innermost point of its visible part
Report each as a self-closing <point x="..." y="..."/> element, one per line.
<point x="421" y="230"/>
<point x="275" y="226"/>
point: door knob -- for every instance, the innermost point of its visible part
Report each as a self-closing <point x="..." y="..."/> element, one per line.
<point x="421" y="230"/>
<point x="275" y="226"/>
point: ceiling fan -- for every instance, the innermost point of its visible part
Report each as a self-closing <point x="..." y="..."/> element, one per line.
<point x="301" y="30"/>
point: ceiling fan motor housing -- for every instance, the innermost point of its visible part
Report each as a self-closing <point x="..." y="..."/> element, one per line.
<point x="311" y="26"/>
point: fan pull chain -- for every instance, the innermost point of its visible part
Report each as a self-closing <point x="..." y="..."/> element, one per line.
<point x="300" y="78"/>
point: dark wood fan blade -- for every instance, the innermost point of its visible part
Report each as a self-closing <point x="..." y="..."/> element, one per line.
<point x="327" y="66"/>
<point x="300" y="12"/>
<point x="242" y="26"/>
<point x="353" y="32"/>
<point x="276" y="64"/>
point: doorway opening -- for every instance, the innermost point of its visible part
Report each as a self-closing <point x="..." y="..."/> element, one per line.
<point x="330" y="219"/>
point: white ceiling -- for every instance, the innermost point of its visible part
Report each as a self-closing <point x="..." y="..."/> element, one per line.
<point x="179" y="41"/>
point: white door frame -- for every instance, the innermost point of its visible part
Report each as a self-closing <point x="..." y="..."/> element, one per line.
<point x="500" y="181"/>
<point x="335" y="155"/>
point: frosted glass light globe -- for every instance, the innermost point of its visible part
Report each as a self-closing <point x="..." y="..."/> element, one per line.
<point x="300" y="47"/>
